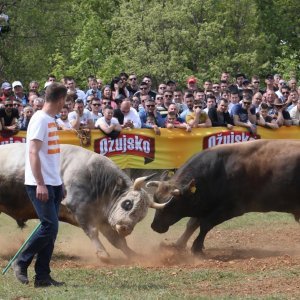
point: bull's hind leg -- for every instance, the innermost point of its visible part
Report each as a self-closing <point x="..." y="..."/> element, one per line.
<point x="191" y="226"/>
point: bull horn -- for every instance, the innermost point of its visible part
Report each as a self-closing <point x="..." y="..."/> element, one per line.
<point x="156" y="205"/>
<point x="152" y="183"/>
<point x="137" y="185"/>
<point x="176" y="192"/>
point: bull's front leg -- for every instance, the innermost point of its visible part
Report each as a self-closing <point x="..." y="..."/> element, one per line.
<point x="93" y="234"/>
<point x="192" y="225"/>
<point x="117" y="241"/>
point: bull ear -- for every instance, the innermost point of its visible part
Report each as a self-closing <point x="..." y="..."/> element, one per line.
<point x="192" y="186"/>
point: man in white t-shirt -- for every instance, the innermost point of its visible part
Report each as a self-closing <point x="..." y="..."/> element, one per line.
<point x="44" y="187"/>
<point x="108" y="123"/>
<point x="63" y="122"/>
<point x="80" y="117"/>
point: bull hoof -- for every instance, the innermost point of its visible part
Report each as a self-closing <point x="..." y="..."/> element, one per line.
<point x="172" y="246"/>
<point x="103" y="256"/>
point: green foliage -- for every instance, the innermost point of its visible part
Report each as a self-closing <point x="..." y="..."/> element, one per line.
<point x="166" y="39"/>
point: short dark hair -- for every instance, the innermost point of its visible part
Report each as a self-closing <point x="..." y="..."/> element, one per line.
<point x="123" y="74"/>
<point x="55" y="91"/>
<point x="172" y="113"/>
<point x="264" y="106"/>
<point x="107" y="107"/>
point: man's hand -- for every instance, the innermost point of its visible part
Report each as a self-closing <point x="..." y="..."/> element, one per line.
<point x="42" y="192"/>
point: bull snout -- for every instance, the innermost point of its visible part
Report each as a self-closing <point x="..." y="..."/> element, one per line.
<point x="159" y="228"/>
<point x="123" y="230"/>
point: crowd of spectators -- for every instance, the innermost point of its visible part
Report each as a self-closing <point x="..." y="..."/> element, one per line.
<point x="127" y="102"/>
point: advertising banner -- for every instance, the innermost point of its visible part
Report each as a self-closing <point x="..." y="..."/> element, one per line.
<point x="142" y="149"/>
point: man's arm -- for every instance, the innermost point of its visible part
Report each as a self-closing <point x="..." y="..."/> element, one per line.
<point x="35" y="164"/>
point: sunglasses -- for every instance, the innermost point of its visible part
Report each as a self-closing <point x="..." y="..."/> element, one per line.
<point x="285" y="93"/>
<point x="95" y="104"/>
<point x="247" y="103"/>
<point x="106" y="103"/>
<point x="162" y="87"/>
<point x="17" y="105"/>
<point x="256" y="81"/>
<point x="143" y="88"/>
<point x="169" y="96"/>
<point x="133" y="78"/>
<point x="150" y="105"/>
<point x="197" y="106"/>
<point x="8" y="105"/>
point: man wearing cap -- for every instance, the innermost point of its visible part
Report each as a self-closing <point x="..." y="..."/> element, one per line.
<point x="192" y="83"/>
<point x="171" y="85"/>
<point x="19" y="92"/>
<point x="269" y="81"/>
<point x="281" y="116"/>
<point x="6" y="92"/>
<point x="9" y="116"/>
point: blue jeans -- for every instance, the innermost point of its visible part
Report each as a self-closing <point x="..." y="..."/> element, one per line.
<point x="42" y="243"/>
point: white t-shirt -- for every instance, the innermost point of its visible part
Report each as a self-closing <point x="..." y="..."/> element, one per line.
<point x="42" y="127"/>
<point x="103" y="121"/>
<point x="83" y="119"/>
<point x="95" y="117"/>
<point x="134" y="117"/>
<point x="64" y="123"/>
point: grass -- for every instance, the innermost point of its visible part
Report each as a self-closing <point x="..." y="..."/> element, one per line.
<point x="138" y="282"/>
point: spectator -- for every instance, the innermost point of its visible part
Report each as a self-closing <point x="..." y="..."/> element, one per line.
<point x="144" y="90"/>
<point x="147" y="79"/>
<point x="162" y="87"/>
<point x="295" y="114"/>
<point x="25" y="118"/>
<point x="127" y="116"/>
<point x="210" y="102"/>
<point x="239" y="78"/>
<point x="292" y="100"/>
<point x="133" y="84"/>
<point x="293" y="84"/>
<point x="281" y="116"/>
<point x="255" y="81"/>
<point x="223" y="86"/>
<point x="207" y="86"/>
<point x="6" y="91"/>
<point x="17" y="104"/>
<point x="189" y="102"/>
<point x="71" y="85"/>
<point x="9" y="117"/>
<point x="220" y="116"/>
<point x="234" y="99"/>
<point x="172" y="122"/>
<point x="171" y="86"/>
<point x="217" y="91"/>
<point x="200" y="97"/>
<point x="178" y="98"/>
<point x="256" y="101"/>
<point x="135" y="103"/>
<point x="244" y="115"/>
<point x="34" y="86"/>
<point x="63" y="122"/>
<point x="106" y="93"/>
<point x="269" y="81"/>
<point x="173" y="107"/>
<point x="104" y="102"/>
<point x="277" y="78"/>
<point x="19" y="92"/>
<point x="88" y="102"/>
<point x="150" y="109"/>
<point x="167" y="100"/>
<point x="225" y="76"/>
<point x="265" y="120"/>
<point x="38" y="104"/>
<point x="198" y="118"/>
<point x="80" y="117"/>
<point x="95" y="113"/>
<point x="93" y="91"/>
<point x="192" y="83"/>
<point x="108" y="124"/>
<point x="99" y="84"/>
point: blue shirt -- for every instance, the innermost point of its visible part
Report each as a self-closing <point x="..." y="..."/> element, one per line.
<point x="237" y="109"/>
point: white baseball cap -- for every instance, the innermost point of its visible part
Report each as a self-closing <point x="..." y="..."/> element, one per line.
<point x="17" y="83"/>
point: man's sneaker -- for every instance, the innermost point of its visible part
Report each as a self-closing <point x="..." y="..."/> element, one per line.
<point x="21" y="274"/>
<point x="47" y="282"/>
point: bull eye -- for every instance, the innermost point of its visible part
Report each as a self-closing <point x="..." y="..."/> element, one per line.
<point x="127" y="205"/>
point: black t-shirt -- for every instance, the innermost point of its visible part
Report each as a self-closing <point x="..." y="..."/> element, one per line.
<point x="8" y="118"/>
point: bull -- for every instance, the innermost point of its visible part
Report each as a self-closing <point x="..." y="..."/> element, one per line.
<point x="227" y="181"/>
<point x="100" y="197"/>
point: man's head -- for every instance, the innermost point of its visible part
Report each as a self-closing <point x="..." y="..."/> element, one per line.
<point x="222" y="105"/>
<point x="255" y="82"/>
<point x="71" y="84"/>
<point x="239" y="78"/>
<point x="246" y="103"/>
<point x="148" y="80"/>
<point x="293" y="84"/>
<point x="99" y="83"/>
<point x="207" y="85"/>
<point x="225" y="76"/>
<point x="171" y="117"/>
<point x="105" y="102"/>
<point x="211" y="101"/>
<point x="178" y="96"/>
<point x="17" y="87"/>
<point x="132" y="79"/>
<point x="124" y="77"/>
<point x="150" y="106"/>
<point x="79" y="106"/>
<point x="264" y="109"/>
<point x="234" y="97"/>
<point x="173" y="107"/>
<point x="168" y="96"/>
<point x="125" y="107"/>
<point x="270" y="97"/>
<point x="189" y="100"/>
<point x="8" y="104"/>
<point x="108" y="112"/>
<point x="269" y="81"/>
<point x="95" y="105"/>
<point x="216" y="88"/>
<point x="257" y="99"/>
<point x="161" y="88"/>
<point x="223" y="86"/>
<point x="200" y="95"/>
<point x="159" y="99"/>
<point x="6" y="88"/>
<point x="34" y="85"/>
<point x="294" y="96"/>
<point x="38" y="104"/>
<point x="144" y="89"/>
<point x="192" y="83"/>
<point x="285" y="91"/>
<point x="171" y="85"/>
<point x="64" y="112"/>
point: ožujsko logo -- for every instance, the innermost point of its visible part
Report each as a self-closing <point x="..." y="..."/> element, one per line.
<point x="132" y="144"/>
<point x="228" y="137"/>
<point x="12" y="140"/>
